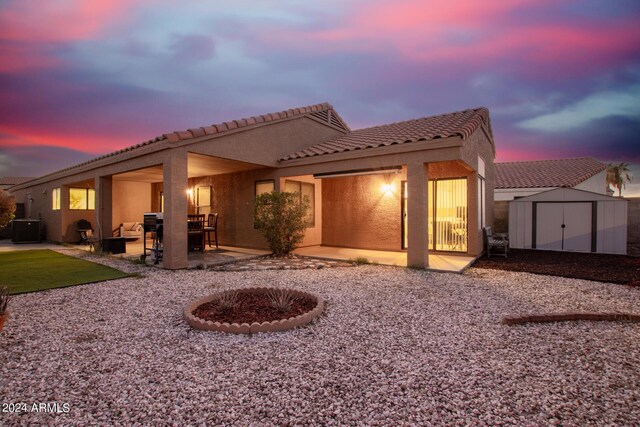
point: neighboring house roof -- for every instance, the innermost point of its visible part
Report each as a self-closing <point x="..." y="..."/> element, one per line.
<point x="546" y="173"/>
<point x="461" y="123"/>
<point x="14" y="180"/>
<point x="320" y="112"/>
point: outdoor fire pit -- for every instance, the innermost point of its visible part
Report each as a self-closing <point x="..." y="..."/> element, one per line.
<point x="247" y="311"/>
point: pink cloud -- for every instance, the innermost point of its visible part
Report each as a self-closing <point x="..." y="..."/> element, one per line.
<point x="58" y="21"/>
<point x="471" y="33"/>
<point x="84" y="140"/>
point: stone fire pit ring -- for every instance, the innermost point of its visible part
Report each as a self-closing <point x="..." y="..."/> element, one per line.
<point x="246" y="328"/>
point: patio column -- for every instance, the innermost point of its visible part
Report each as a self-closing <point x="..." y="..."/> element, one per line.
<point x="417" y="215"/>
<point x="104" y="206"/>
<point x="175" y="210"/>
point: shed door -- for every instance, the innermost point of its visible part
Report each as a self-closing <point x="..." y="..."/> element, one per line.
<point x="549" y="220"/>
<point x="577" y="233"/>
<point x="564" y="226"/>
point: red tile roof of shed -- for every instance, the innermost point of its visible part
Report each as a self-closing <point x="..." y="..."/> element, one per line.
<point x="546" y="173"/>
<point x="461" y="123"/>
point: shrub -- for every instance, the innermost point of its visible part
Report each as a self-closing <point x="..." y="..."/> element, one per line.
<point x="4" y="299"/>
<point x="7" y="209"/>
<point x="281" y="219"/>
<point x="228" y="300"/>
<point x="281" y="299"/>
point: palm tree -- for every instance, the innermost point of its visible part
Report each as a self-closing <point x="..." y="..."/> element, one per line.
<point x="618" y="175"/>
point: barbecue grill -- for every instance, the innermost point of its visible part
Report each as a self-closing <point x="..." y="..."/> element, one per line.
<point x="152" y="224"/>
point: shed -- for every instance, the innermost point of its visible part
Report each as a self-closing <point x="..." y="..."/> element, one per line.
<point x="566" y="219"/>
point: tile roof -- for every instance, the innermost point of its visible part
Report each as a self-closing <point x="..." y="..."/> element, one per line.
<point x="319" y="111"/>
<point x="14" y="180"/>
<point x="461" y="123"/>
<point x="546" y="173"/>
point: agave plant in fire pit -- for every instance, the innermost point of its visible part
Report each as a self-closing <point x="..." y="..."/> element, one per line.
<point x="4" y="302"/>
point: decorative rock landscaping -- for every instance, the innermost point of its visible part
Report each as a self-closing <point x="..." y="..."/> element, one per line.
<point x="394" y="347"/>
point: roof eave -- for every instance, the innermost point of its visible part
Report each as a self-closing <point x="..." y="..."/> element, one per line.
<point x="453" y="141"/>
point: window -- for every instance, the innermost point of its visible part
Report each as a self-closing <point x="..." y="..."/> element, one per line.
<point x="82" y="199"/>
<point x="481" y="194"/>
<point x="304" y="189"/>
<point x="55" y="196"/>
<point x="203" y="200"/>
<point x="263" y="187"/>
<point x="482" y="214"/>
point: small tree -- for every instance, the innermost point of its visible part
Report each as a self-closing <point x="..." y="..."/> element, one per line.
<point x="7" y="209"/>
<point x="618" y="175"/>
<point x="281" y="219"/>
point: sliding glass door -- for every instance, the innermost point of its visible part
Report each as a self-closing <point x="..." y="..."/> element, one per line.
<point x="448" y="219"/>
<point x="447" y="206"/>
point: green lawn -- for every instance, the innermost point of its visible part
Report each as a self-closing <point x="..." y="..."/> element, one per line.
<point x="37" y="270"/>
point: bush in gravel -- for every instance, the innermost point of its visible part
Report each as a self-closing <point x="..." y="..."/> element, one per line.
<point x="281" y="219"/>
<point x="7" y="208"/>
<point x="281" y="299"/>
<point x="362" y="261"/>
<point x="4" y="299"/>
<point x="228" y="300"/>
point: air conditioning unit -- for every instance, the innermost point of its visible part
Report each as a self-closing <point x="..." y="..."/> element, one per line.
<point x="26" y="231"/>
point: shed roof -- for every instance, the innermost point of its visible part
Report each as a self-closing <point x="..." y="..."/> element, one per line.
<point x="546" y="173"/>
<point x="460" y="123"/>
<point x="565" y="194"/>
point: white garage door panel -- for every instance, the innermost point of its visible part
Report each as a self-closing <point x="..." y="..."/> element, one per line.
<point x="577" y="233"/>
<point x="549" y="226"/>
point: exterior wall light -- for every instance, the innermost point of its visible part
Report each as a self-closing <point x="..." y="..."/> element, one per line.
<point x="387" y="188"/>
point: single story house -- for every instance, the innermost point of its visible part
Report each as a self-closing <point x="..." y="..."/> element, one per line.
<point x="521" y="179"/>
<point x="415" y="186"/>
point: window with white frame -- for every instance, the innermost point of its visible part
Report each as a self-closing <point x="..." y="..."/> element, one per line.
<point x="55" y="199"/>
<point x="482" y="200"/>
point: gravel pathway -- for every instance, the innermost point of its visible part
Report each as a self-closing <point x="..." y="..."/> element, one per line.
<point x="395" y="347"/>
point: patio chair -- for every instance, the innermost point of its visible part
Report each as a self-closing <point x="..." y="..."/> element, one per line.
<point x="195" y="232"/>
<point x="498" y="241"/>
<point x="211" y="227"/>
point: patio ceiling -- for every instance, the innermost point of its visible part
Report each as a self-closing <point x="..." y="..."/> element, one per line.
<point x="199" y="165"/>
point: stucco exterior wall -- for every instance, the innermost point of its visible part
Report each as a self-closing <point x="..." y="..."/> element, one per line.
<point x="357" y="214"/>
<point x="595" y="184"/>
<point x="130" y="201"/>
<point x="479" y="145"/>
<point x="265" y="145"/>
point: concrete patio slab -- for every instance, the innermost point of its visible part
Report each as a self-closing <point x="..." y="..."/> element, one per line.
<point x="439" y="262"/>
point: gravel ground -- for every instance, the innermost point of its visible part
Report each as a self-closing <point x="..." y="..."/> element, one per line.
<point x="395" y="347"/>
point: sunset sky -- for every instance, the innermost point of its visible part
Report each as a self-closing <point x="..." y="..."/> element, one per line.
<point x="81" y="78"/>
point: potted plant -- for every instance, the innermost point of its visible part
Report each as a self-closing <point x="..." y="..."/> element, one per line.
<point x="4" y="302"/>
